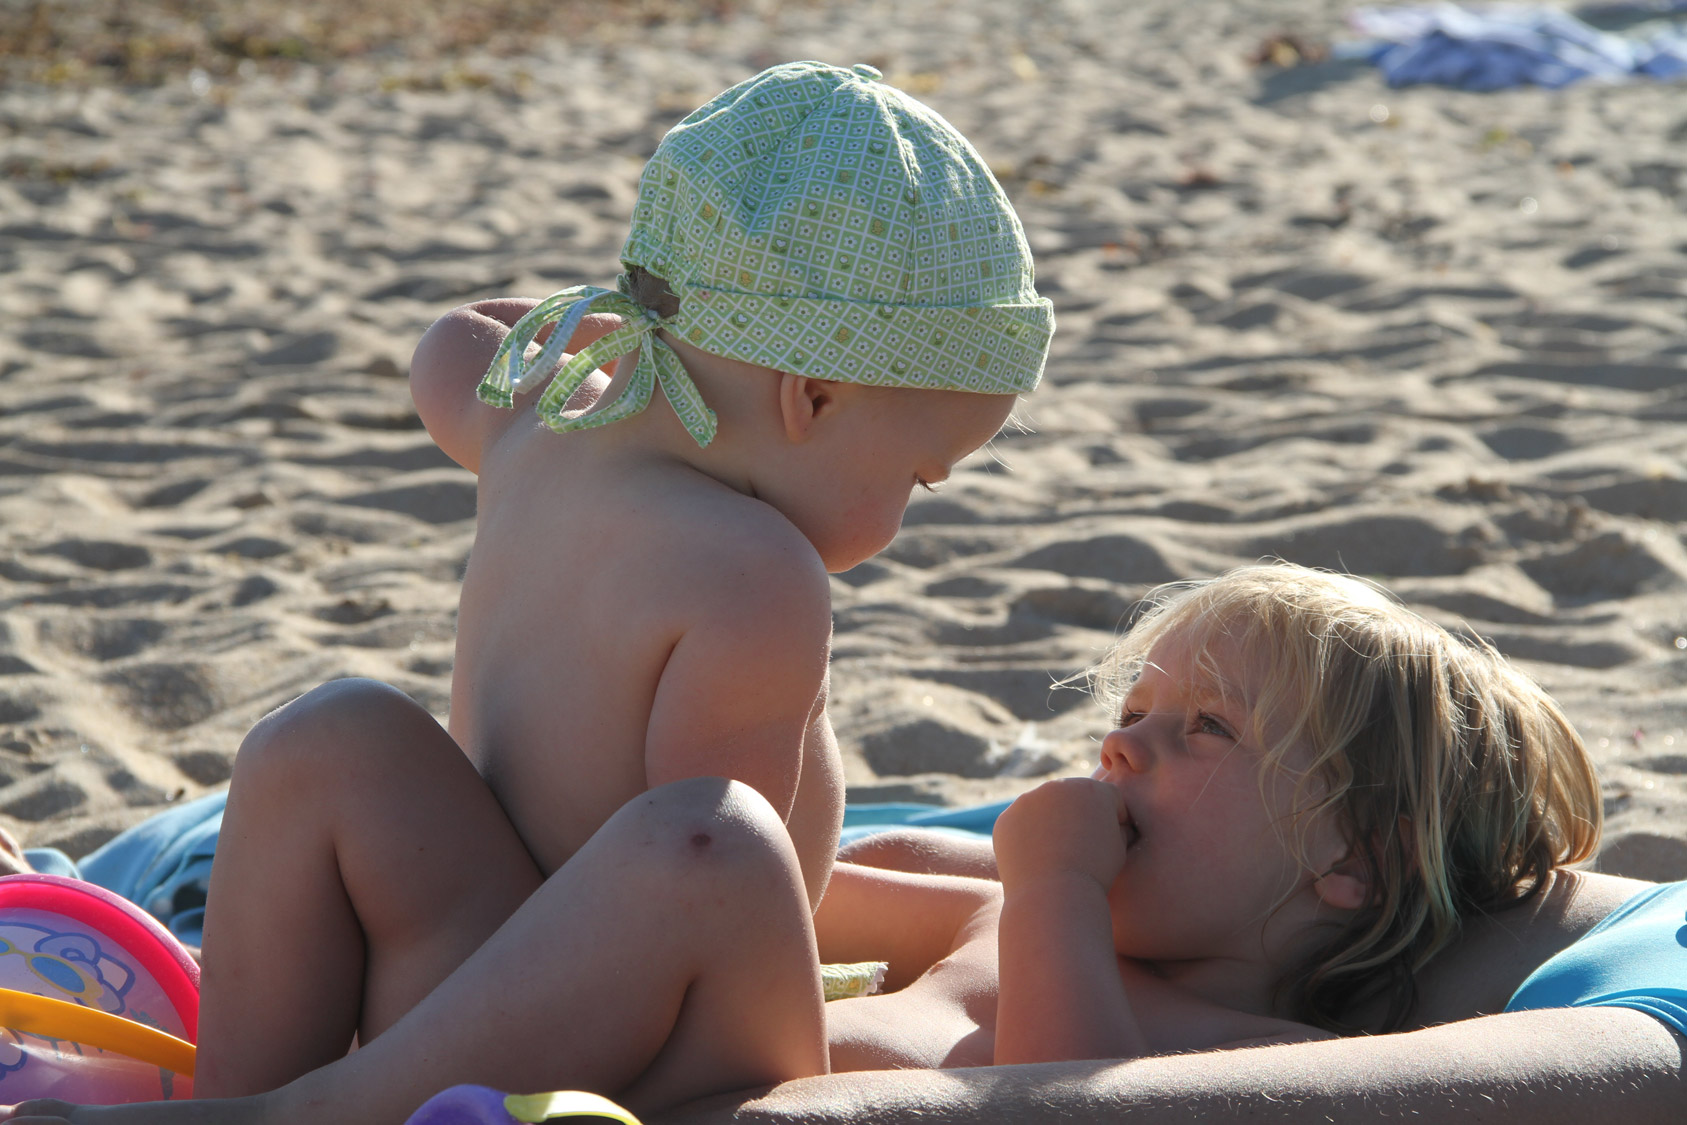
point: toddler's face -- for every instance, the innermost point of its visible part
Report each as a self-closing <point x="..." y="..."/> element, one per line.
<point x="1207" y="854"/>
<point x="889" y="443"/>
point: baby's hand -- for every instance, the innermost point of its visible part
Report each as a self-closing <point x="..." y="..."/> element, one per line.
<point x="1074" y="825"/>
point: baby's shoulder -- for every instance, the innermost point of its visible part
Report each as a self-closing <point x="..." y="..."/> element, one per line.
<point x="749" y="604"/>
<point x="685" y="547"/>
<point x="730" y="549"/>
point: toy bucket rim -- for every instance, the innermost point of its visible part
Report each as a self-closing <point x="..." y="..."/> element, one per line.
<point x="156" y="949"/>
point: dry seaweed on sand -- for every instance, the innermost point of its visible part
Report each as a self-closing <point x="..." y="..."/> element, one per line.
<point x="103" y="41"/>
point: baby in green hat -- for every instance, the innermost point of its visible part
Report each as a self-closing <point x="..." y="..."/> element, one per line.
<point x="834" y="300"/>
<point x="827" y="303"/>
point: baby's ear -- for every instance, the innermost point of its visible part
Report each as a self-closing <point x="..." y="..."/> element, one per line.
<point x="803" y="402"/>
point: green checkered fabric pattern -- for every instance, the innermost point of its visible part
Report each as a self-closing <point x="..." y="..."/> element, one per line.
<point x="511" y="373"/>
<point x="816" y="220"/>
<point x="845" y="981"/>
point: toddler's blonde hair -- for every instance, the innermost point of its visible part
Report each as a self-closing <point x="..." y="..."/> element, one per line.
<point x="1459" y="782"/>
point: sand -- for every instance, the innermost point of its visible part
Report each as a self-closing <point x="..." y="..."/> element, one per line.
<point x="1431" y="337"/>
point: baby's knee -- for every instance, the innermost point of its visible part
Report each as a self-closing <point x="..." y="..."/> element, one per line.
<point x="345" y="721"/>
<point x="707" y="826"/>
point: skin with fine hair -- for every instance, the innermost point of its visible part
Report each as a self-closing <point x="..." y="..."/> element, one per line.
<point x="1553" y="1067"/>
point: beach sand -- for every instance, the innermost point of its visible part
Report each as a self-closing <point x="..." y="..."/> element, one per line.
<point x="1431" y="337"/>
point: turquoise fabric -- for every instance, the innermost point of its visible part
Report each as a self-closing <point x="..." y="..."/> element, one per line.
<point x="1635" y="958"/>
<point x="162" y="864"/>
<point x="974" y="822"/>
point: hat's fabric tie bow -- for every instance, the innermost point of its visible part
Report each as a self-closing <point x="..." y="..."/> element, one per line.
<point x="511" y="373"/>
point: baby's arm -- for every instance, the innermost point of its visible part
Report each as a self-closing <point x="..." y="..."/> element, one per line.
<point x="1059" y="848"/>
<point x="450" y="360"/>
<point x="742" y="687"/>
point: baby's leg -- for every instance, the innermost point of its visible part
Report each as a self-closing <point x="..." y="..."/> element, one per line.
<point x="361" y="860"/>
<point x="673" y="957"/>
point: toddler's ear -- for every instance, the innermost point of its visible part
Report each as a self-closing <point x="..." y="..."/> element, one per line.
<point x="1343" y="889"/>
<point x="802" y="401"/>
<point x="1346" y="885"/>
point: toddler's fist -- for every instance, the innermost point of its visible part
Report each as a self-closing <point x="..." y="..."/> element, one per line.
<point x="1071" y="825"/>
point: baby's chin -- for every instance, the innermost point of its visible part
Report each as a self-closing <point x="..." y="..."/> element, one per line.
<point x="842" y="563"/>
<point x="848" y="553"/>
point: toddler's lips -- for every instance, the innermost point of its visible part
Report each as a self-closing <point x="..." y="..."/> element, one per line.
<point x="1132" y="833"/>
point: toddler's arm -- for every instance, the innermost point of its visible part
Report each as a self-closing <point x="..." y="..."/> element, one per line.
<point x="912" y="921"/>
<point x="1059" y="848"/>
<point x="924" y="851"/>
<point x="450" y="360"/>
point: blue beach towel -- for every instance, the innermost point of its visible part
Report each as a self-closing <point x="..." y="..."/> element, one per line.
<point x="1508" y="45"/>
<point x="866" y="819"/>
<point x="163" y="864"/>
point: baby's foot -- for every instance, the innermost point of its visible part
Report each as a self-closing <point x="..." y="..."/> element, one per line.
<point x="12" y="861"/>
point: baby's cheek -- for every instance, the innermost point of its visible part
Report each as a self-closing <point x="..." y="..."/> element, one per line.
<point x="876" y="521"/>
<point x="856" y="532"/>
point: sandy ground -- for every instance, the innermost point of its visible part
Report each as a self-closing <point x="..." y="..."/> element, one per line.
<point x="1431" y="337"/>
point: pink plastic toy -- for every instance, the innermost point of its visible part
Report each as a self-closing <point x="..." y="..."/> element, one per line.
<point x="99" y="1004"/>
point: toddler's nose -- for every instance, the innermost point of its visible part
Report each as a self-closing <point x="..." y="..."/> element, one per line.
<point x="1124" y="750"/>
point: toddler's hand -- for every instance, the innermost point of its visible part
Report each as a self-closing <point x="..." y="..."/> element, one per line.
<point x="41" y="1111"/>
<point x="1073" y="824"/>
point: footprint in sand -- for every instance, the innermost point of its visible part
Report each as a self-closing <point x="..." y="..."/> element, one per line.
<point x="167" y="696"/>
<point x="96" y="554"/>
<point x="434" y="497"/>
<point x="1645" y="855"/>
<point x="1382" y="544"/>
<point x="100" y="638"/>
<point x="1114" y="558"/>
<point x="1617" y="564"/>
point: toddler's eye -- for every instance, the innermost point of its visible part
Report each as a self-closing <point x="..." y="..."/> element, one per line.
<point x="1208" y="724"/>
<point x="1129" y="717"/>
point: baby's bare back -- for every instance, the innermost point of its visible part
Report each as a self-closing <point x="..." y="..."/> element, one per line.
<point x="617" y="630"/>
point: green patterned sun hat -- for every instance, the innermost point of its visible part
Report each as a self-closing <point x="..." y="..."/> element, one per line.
<point x="813" y="220"/>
